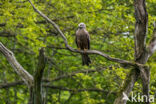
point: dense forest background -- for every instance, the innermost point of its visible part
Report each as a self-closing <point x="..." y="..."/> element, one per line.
<point x="111" y="24"/>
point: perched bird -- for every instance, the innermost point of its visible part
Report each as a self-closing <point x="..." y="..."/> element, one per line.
<point x="83" y="42"/>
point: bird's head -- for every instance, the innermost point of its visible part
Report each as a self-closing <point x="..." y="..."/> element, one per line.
<point x="81" y="26"/>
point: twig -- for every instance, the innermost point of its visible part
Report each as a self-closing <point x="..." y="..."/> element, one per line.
<point x="7" y="85"/>
<point x="74" y="90"/>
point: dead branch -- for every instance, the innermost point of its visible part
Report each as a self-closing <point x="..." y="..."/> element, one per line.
<point x="26" y="77"/>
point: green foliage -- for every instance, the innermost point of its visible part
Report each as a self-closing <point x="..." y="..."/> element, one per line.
<point x="111" y="27"/>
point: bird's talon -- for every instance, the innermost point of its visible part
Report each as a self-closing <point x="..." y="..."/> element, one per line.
<point x="85" y="50"/>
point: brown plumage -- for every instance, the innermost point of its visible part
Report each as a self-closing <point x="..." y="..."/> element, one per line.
<point x="83" y="42"/>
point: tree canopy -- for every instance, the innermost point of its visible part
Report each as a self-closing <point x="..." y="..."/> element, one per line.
<point x="111" y="25"/>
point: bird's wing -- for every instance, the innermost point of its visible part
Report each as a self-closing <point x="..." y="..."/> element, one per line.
<point x="76" y="39"/>
<point x="88" y="39"/>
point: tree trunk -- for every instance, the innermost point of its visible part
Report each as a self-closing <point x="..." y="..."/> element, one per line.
<point x="141" y="55"/>
<point x="38" y="99"/>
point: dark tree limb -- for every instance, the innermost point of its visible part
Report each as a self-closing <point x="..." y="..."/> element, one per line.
<point x="76" y="72"/>
<point x="2" y="24"/>
<point x="12" y="84"/>
<point x="26" y="77"/>
<point x="75" y="90"/>
<point x="7" y="85"/>
<point x="145" y="77"/>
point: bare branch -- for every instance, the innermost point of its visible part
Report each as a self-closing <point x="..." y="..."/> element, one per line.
<point x="12" y="84"/>
<point x="7" y="34"/>
<point x="75" y="90"/>
<point x="2" y="24"/>
<point x="77" y="51"/>
<point x="26" y="77"/>
<point x="7" y="85"/>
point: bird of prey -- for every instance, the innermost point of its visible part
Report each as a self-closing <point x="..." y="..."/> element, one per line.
<point x="83" y="42"/>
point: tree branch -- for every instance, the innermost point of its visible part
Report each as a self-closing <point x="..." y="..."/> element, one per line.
<point x="12" y="84"/>
<point x="26" y="77"/>
<point x="74" y="73"/>
<point x="75" y="90"/>
<point x="77" y="51"/>
<point x="7" y="85"/>
<point x="2" y="24"/>
<point x="7" y="34"/>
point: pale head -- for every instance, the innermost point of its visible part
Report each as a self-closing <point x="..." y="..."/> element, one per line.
<point x="81" y="26"/>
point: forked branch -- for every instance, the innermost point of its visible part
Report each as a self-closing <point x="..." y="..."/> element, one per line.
<point x="26" y="77"/>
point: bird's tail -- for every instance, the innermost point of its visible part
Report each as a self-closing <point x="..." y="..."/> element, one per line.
<point x="85" y="59"/>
